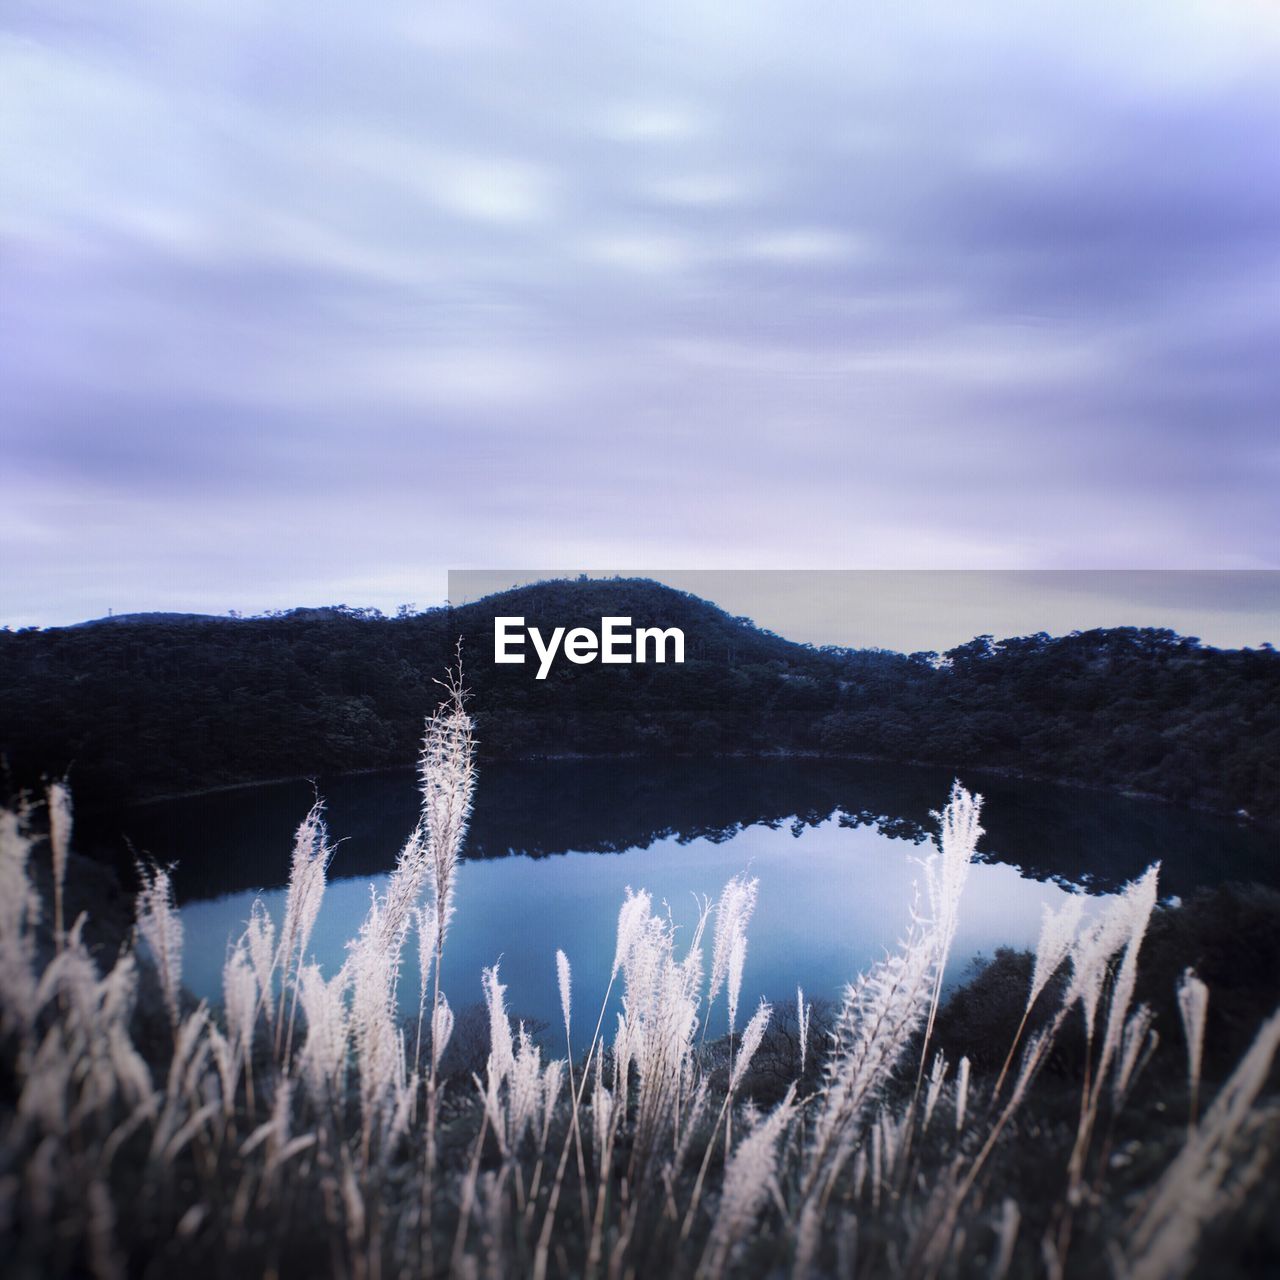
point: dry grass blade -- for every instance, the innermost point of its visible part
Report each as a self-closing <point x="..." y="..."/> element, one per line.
<point x="160" y="927"/>
<point x="59" y="802"/>
<point x="1193" y="1008"/>
<point x="126" y="1146"/>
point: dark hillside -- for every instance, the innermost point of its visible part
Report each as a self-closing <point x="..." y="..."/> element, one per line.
<point x="160" y="704"/>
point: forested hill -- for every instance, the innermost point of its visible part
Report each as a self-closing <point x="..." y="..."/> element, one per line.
<point x="165" y="703"/>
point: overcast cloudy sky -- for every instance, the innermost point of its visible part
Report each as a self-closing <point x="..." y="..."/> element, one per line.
<point x="309" y="302"/>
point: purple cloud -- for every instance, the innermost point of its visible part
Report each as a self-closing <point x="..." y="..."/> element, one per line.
<point x="304" y="310"/>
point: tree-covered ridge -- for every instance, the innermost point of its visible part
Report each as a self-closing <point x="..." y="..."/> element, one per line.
<point x="140" y="708"/>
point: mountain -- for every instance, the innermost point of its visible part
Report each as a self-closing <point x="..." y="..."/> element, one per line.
<point x="157" y="704"/>
<point x="130" y="619"/>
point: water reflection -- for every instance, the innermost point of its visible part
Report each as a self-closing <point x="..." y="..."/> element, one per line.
<point x="832" y="899"/>
<point x="232" y="840"/>
<point x="836" y="845"/>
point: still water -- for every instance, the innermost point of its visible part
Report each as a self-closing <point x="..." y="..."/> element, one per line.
<point x="554" y="845"/>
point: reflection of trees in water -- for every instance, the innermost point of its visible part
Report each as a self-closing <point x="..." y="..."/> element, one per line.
<point x="1091" y="838"/>
<point x="609" y="806"/>
<point x="547" y="808"/>
<point x="894" y="828"/>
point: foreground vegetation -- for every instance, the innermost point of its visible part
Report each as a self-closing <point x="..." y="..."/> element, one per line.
<point x="305" y="1127"/>
<point x="170" y="704"/>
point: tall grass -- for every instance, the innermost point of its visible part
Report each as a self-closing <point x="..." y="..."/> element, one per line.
<point x="303" y="1127"/>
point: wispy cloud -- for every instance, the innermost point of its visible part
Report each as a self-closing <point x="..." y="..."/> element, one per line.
<point x="665" y="284"/>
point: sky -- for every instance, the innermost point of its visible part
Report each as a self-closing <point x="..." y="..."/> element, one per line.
<point x="310" y="303"/>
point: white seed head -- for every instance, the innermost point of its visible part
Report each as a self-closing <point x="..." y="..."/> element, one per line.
<point x="160" y="926"/>
<point x="1057" y="934"/>
<point x="962" y="1092"/>
<point x="564" y="977"/>
<point x="1193" y="1008"/>
<point x="751" y="1039"/>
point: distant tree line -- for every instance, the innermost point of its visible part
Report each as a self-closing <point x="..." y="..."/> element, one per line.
<point x="131" y="709"/>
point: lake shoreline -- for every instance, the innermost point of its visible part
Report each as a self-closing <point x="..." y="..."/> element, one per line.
<point x="994" y="771"/>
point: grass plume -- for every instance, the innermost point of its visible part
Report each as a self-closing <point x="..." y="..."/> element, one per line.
<point x="213" y="1148"/>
